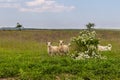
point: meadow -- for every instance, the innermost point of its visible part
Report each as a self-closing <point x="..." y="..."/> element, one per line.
<point x="23" y="56"/>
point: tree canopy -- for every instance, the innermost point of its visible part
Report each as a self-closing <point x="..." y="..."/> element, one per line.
<point x="19" y="26"/>
<point x="90" y="26"/>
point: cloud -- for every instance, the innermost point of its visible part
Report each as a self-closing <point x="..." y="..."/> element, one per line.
<point x="7" y="5"/>
<point x="36" y="6"/>
<point x="46" y="6"/>
<point x="35" y="2"/>
<point x="48" y="9"/>
<point x="8" y="0"/>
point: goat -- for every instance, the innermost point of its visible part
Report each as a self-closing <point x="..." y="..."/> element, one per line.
<point x="64" y="49"/>
<point x="52" y="49"/>
<point x="104" y="48"/>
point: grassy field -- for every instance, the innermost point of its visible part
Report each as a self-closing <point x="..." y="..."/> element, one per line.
<point x="23" y="56"/>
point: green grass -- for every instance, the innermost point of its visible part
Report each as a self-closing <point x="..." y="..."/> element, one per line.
<point x="23" y="55"/>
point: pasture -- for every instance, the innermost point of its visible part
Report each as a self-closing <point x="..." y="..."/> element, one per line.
<point x="23" y="56"/>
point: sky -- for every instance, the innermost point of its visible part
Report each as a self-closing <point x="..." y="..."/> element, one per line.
<point x="60" y="14"/>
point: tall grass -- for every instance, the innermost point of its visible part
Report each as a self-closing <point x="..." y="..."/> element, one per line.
<point x="23" y="55"/>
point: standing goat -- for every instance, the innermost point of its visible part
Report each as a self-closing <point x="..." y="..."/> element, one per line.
<point x="52" y="49"/>
<point x="64" y="49"/>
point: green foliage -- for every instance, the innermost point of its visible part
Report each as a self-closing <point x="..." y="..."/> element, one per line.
<point x="90" y="26"/>
<point x="23" y="56"/>
<point x="19" y="26"/>
<point x="86" y="42"/>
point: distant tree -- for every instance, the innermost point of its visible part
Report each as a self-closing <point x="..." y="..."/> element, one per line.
<point x="19" y="26"/>
<point x="90" y="26"/>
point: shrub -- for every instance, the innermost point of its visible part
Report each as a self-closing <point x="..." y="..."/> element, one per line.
<point x="86" y="42"/>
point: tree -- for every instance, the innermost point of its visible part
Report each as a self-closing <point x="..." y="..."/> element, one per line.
<point x="90" y="26"/>
<point x="19" y="26"/>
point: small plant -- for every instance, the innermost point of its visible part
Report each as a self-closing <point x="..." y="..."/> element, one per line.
<point x="86" y="43"/>
<point x="19" y="26"/>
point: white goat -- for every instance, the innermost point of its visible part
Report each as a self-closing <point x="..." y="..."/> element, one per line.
<point x="64" y="49"/>
<point x="52" y="49"/>
<point x="109" y="47"/>
<point x="105" y="48"/>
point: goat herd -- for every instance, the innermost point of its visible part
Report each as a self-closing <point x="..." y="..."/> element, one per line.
<point x="63" y="49"/>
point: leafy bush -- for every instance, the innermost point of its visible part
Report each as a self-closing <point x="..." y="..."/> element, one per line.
<point x="86" y="43"/>
<point x="50" y="69"/>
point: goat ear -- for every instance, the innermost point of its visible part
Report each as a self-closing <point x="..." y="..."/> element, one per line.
<point x="69" y="44"/>
<point x="60" y="40"/>
<point x="47" y="43"/>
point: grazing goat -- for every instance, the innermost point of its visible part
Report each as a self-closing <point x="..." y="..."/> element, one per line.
<point x="64" y="49"/>
<point x="52" y="49"/>
<point x="105" y="48"/>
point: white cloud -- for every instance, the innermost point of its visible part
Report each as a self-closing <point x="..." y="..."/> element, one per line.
<point x="8" y="5"/>
<point x="36" y="6"/>
<point x="47" y="9"/>
<point x="35" y="2"/>
<point x="46" y="6"/>
<point x="8" y="0"/>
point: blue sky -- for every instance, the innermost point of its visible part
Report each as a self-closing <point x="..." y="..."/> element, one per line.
<point x="65" y="14"/>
